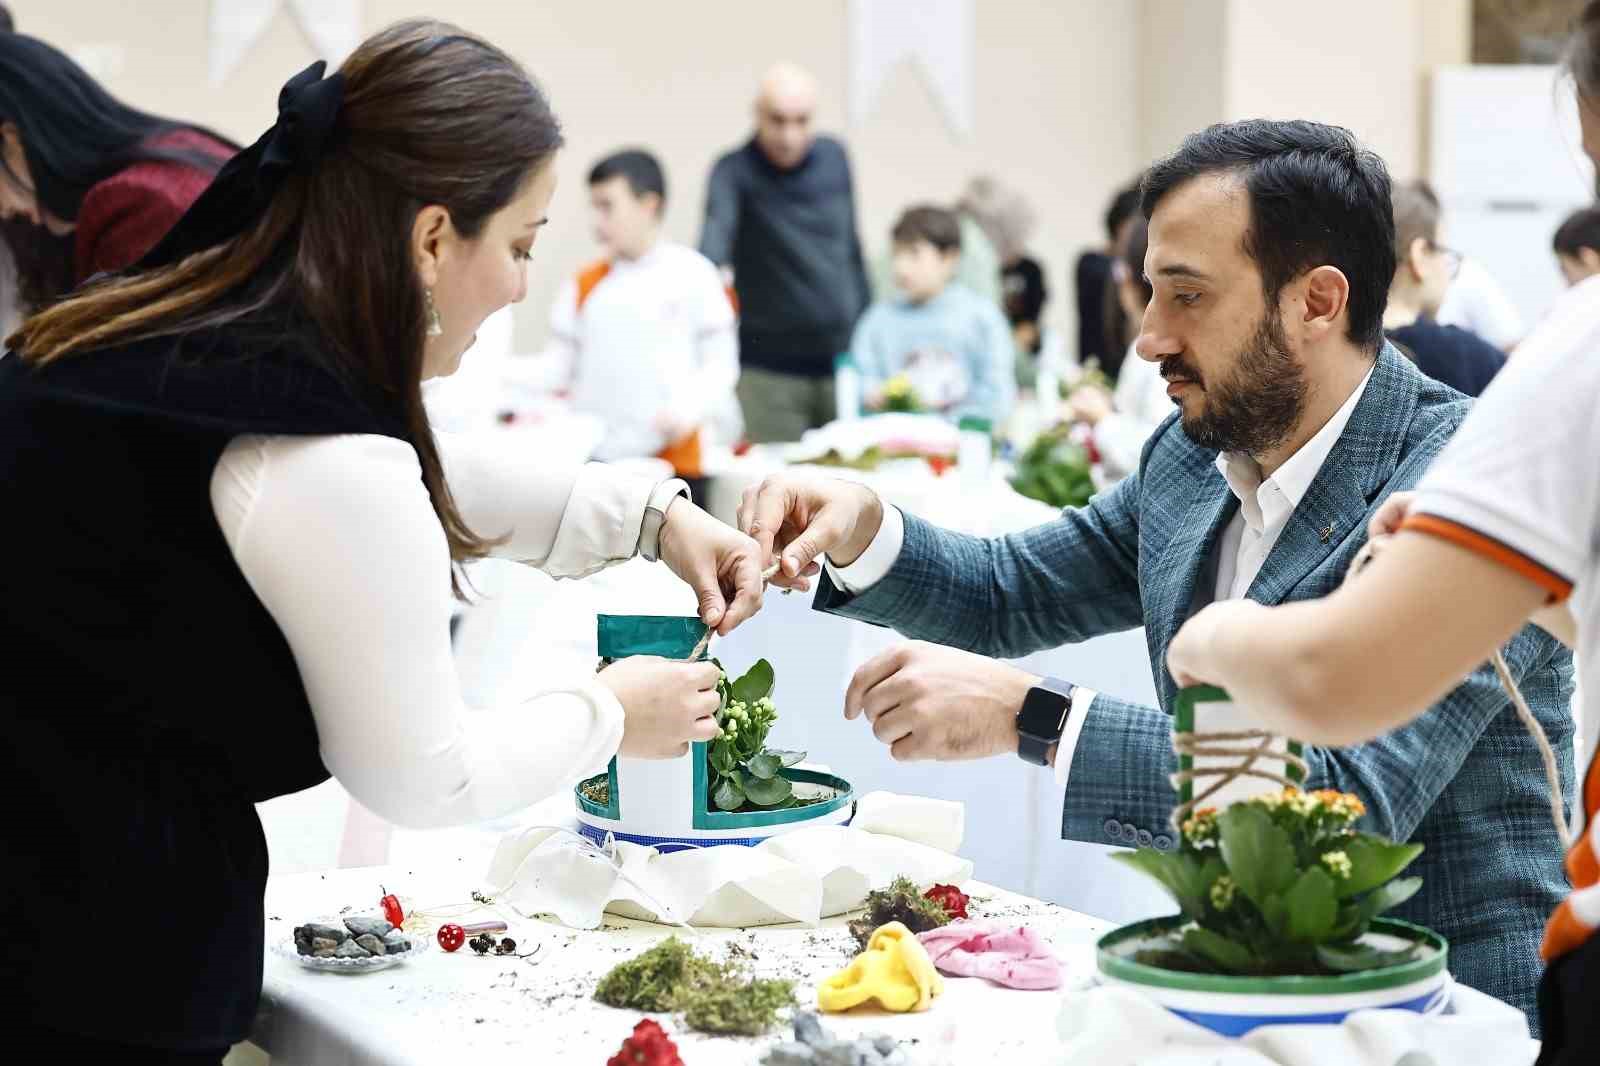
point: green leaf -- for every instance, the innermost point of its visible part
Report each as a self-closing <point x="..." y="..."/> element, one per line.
<point x="729" y="796"/>
<point x="789" y="758"/>
<point x="1275" y="912"/>
<point x="1259" y="856"/>
<point x="1373" y="860"/>
<point x="1179" y="873"/>
<point x="1355" y="957"/>
<point x="768" y="791"/>
<point x="756" y="683"/>
<point x="765" y="765"/>
<point x="722" y="758"/>
<point x="1348" y="925"/>
<point x="1387" y="897"/>
<point x="1219" y="950"/>
<point x="1312" y="907"/>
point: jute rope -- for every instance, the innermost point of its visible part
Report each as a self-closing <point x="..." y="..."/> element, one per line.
<point x="704" y="643"/>
<point x="1238" y="744"/>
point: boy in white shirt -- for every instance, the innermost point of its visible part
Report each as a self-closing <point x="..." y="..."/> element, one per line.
<point x="645" y="337"/>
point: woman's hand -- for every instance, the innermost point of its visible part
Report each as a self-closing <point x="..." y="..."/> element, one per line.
<point x="1192" y="656"/>
<point x="1089" y="404"/>
<point x="667" y="704"/>
<point x="722" y="565"/>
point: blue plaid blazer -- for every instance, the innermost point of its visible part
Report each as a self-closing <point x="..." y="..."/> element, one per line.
<point x="1464" y="779"/>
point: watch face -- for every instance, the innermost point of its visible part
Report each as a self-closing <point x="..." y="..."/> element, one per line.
<point x="1044" y="714"/>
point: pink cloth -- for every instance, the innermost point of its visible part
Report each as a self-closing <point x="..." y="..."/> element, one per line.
<point x="1010" y="955"/>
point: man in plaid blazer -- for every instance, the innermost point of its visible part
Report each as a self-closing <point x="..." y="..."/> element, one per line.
<point x="1271" y="250"/>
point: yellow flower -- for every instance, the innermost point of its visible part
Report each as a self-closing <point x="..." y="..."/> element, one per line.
<point x="1338" y="864"/>
<point x="897" y="386"/>
<point x="1201" y="826"/>
<point x="1222" y="890"/>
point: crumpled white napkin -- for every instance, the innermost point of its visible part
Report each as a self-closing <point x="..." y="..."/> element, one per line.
<point x="1111" y="1026"/>
<point x="802" y="876"/>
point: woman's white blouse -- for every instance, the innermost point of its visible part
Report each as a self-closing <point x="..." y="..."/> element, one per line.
<point x="337" y="537"/>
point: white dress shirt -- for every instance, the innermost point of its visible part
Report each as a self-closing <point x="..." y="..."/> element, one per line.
<point x="337" y="537"/>
<point x="1264" y="510"/>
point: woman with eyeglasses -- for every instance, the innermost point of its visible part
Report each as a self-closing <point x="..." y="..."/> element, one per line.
<point x="87" y="183"/>
<point x="232" y="535"/>
<point x="1503" y="529"/>
<point x="1459" y="358"/>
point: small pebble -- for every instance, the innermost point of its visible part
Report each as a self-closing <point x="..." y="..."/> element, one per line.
<point x="327" y="932"/>
<point x="896" y="1058"/>
<point x="883" y="1042"/>
<point x="351" y="950"/>
<point x="808" y="1028"/>
<point x="363" y="926"/>
<point x="396" y="943"/>
<point x="322" y="947"/>
<point x="866" y="1054"/>
<point x="373" y="945"/>
<point x="835" y="1053"/>
<point x="790" y="1054"/>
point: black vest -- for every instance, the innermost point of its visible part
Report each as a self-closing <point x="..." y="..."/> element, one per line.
<point x="149" y="700"/>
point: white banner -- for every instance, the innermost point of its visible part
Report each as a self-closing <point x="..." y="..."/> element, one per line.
<point x="331" y="27"/>
<point x="935" y="34"/>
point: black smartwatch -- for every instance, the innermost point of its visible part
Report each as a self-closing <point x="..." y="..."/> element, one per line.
<point x="1042" y="719"/>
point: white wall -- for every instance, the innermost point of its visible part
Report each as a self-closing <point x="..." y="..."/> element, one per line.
<point x="1056" y="84"/>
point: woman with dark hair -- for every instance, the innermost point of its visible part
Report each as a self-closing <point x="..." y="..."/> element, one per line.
<point x="87" y="183"/>
<point x="1503" y="529"/>
<point x="1124" y="419"/>
<point x="234" y="572"/>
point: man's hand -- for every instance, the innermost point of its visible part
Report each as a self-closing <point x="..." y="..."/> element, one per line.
<point x="719" y="563"/>
<point x="931" y="702"/>
<point x="803" y="517"/>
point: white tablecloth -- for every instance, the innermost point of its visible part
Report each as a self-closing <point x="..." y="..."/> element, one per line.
<point x="486" y="1011"/>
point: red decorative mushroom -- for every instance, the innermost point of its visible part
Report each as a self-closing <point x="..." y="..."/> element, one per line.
<point x="452" y="936"/>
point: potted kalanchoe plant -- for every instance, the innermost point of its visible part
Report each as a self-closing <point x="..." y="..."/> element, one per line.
<point x="742" y="772"/>
<point x="1280" y="901"/>
<point x="730" y="790"/>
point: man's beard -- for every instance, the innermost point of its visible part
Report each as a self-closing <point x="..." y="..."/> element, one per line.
<point x="1258" y="406"/>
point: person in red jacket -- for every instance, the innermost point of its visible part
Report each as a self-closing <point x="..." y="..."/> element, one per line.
<point x="87" y="183"/>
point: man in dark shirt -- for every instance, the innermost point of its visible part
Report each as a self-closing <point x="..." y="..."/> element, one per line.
<point x="780" y="214"/>
<point x="1091" y="279"/>
<point x="1459" y="358"/>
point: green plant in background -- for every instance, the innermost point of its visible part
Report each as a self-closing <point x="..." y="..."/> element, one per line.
<point x="899" y="395"/>
<point x="741" y="772"/>
<point x="1055" y="470"/>
<point x="1279" y="884"/>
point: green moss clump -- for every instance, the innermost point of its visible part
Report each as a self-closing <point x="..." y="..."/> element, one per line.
<point x="715" y="997"/>
<point x="747" y="1008"/>
<point x="901" y="902"/>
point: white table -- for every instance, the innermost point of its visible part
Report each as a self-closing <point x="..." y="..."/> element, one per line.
<point x="487" y="1011"/>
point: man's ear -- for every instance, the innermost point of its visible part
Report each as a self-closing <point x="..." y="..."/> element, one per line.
<point x="430" y="233"/>
<point x="1327" y="297"/>
<point x="1415" y="254"/>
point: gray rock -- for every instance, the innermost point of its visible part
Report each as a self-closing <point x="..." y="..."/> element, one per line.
<point x="373" y="945"/>
<point x="836" y="1053"/>
<point x="351" y="950"/>
<point x="866" y="1053"/>
<point x="808" y="1028"/>
<point x="883" y="1042"/>
<point x="363" y="926"/>
<point x="327" y="932"/>
<point x="896" y="1058"/>
<point x="790" y="1054"/>
<point x="396" y="943"/>
<point x="322" y="947"/>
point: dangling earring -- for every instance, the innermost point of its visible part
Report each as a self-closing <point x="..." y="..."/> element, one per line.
<point x="435" y="327"/>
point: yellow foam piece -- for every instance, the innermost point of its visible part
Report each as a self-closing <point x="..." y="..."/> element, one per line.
<point x="894" y="971"/>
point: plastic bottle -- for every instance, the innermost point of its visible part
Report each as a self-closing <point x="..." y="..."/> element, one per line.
<point x="974" y="452"/>
<point x="847" y="387"/>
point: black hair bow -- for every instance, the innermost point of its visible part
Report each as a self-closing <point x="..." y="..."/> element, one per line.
<point x="308" y="111"/>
